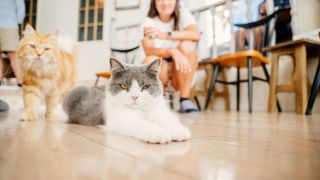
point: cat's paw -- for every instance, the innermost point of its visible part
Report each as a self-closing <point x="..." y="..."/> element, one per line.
<point x="155" y="136"/>
<point x="180" y="133"/>
<point x="49" y="116"/>
<point x="29" y="116"/>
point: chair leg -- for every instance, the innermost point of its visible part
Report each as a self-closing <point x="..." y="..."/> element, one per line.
<point x="97" y="80"/>
<point x="238" y="89"/>
<point x="197" y="102"/>
<point x="268" y="79"/>
<point x="250" y="83"/>
<point x="214" y="76"/>
<point x="314" y="90"/>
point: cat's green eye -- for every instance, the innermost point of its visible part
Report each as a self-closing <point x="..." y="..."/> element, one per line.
<point x="46" y="49"/>
<point x="146" y="86"/>
<point x="124" y="86"/>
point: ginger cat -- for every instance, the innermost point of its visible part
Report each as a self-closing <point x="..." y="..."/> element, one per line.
<point x="47" y="70"/>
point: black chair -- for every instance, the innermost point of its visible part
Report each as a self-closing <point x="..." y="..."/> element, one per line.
<point x="247" y="59"/>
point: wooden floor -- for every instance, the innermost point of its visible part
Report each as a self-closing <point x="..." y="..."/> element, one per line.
<point x="223" y="146"/>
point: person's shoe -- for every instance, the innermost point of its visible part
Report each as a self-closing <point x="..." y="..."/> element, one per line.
<point x="187" y="106"/>
<point x="4" y="107"/>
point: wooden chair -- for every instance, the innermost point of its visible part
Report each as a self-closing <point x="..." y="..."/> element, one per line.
<point x="127" y="51"/>
<point x="222" y="94"/>
<point x="99" y="75"/>
<point x="114" y="52"/>
<point x="246" y="59"/>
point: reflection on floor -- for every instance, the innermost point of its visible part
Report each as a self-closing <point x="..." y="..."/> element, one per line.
<point x="223" y="146"/>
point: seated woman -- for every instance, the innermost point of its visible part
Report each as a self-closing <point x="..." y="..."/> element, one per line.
<point x="170" y="33"/>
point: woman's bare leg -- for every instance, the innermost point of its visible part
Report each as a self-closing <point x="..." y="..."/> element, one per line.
<point x="182" y="81"/>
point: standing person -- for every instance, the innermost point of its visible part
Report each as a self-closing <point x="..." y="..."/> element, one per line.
<point x="12" y="13"/>
<point x="170" y="33"/>
<point x="240" y="16"/>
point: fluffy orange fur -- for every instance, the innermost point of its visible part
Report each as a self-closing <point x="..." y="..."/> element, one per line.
<point x="47" y="70"/>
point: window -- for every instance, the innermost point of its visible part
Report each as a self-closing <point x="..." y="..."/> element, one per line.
<point x="90" y="20"/>
<point x="31" y="12"/>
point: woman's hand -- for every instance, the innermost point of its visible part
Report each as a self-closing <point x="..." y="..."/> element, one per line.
<point x="154" y="33"/>
<point x="181" y="62"/>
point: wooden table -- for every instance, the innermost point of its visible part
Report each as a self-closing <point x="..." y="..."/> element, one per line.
<point x="299" y="50"/>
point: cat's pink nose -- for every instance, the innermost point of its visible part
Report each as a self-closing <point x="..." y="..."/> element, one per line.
<point x="38" y="55"/>
<point x="134" y="97"/>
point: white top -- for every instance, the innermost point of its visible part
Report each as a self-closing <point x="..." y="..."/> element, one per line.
<point x="186" y="19"/>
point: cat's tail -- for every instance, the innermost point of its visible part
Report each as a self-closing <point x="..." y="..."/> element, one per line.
<point x="67" y="44"/>
<point x="60" y="114"/>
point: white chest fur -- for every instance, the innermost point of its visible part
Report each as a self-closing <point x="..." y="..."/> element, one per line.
<point x="46" y="86"/>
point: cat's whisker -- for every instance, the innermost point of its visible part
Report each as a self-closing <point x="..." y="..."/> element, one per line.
<point x="22" y="65"/>
<point x="28" y="67"/>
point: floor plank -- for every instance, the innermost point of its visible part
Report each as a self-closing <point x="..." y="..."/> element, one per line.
<point x="224" y="145"/>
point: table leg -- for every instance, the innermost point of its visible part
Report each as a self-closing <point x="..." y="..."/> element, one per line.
<point x="273" y="82"/>
<point x="301" y="78"/>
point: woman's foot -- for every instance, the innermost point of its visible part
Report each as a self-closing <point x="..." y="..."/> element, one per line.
<point x="187" y="106"/>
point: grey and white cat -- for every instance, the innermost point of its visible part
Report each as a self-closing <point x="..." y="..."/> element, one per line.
<point x="132" y="105"/>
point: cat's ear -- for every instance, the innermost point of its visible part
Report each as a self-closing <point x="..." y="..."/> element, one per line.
<point x="28" y="30"/>
<point x="54" y="35"/>
<point x="154" y="66"/>
<point x="115" y="64"/>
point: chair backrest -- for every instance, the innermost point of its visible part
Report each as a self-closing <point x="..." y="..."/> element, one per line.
<point x="126" y="55"/>
<point x="123" y="46"/>
<point x="269" y="22"/>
